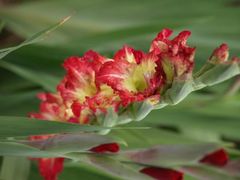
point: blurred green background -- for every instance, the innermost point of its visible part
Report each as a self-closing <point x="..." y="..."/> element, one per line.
<point x="211" y="115"/>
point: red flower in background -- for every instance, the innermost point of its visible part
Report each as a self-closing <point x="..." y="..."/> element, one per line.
<point x="216" y="158"/>
<point x="49" y="168"/>
<point x="162" y="173"/>
<point x="103" y="148"/>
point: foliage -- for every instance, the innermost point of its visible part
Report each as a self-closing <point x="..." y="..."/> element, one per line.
<point x="208" y="118"/>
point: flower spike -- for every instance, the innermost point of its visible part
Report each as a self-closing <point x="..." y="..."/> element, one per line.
<point x="102" y="91"/>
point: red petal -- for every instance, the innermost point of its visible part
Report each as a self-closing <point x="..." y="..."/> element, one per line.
<point x="51" y="108"/>
<point x="76" y="108"/>
<point x="103" y="148"/>
<point x="50" y="167"/>
<point x="217" y="158"/>
<point x="175" y="55"/>
<point x="182" y="37"/>
<point x="162" y="173"/>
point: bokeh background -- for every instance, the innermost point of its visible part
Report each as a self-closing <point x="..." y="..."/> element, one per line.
<point x="210" y="115"/>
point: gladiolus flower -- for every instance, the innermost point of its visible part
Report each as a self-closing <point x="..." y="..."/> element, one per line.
<point x="94" y="83"/>
<point x="175" y="56"/>
<point x="133" y="74"/>
<point x="162" y="173"/>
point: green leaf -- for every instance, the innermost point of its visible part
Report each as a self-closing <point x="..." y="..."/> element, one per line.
<point x="20" y="103"/>
<point x="170" y="155"/>
<point x="57" y="145"/>
<point x="67" y="143"/>
<point x="19" y="149"/>
<point x="111" y="166"/>
<point x="232" y="167"/>
<point x="147" y="137"/>
<point x="13" y="167"/>
<point x="216" y="74"/>
<point x="202" y="172"/>
<point x="73" y="171"/>
<point x="47" y="81"/>
<point x="206" y="118"/>
<point x="22" y="126"/>
<point x="33" y="39"/>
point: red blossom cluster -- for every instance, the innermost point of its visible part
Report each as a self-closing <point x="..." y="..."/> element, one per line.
<point x="94" y="83"/>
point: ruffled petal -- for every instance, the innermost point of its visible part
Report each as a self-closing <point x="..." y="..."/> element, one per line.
<point x="51" y="108"/>
<point x="175" y="56"/>
<point x="132" y="74"/>
<point x="79" y="82"/>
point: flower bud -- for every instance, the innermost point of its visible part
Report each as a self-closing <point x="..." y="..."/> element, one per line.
<point x="220" y="54"/>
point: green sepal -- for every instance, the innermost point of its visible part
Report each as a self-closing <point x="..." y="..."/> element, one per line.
<point x="216" y="74"/>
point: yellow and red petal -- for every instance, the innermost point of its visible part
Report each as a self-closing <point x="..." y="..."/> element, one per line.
<point x="131" y="74"/>
<point x="129" y="54"/>
<point x="79" y="82"/>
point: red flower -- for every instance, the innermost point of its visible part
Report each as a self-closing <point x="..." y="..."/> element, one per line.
<point x="162" y="173"/>
<point x="216" y="158"/>
<point x="133" y="74"/>
<point x="176" y="57"/>
<point x="51" y="108"/>
<point x="79" y="82"/>
<point x="80" y="90"/>
<point x="50" y="167"/>
<point x="103" y="148"/>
